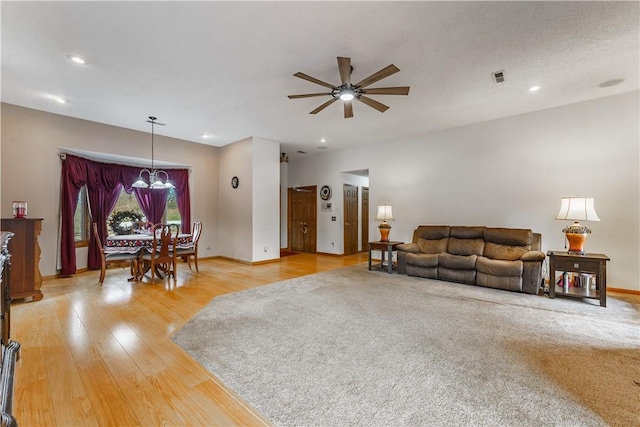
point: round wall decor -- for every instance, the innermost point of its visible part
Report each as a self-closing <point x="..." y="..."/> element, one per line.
<point x="325" y="192"/>
<point x="235" y="182"/>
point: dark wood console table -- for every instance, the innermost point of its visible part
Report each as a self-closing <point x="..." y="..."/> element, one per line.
<point x="26" y="279"/>
<point x="590" y="267"/>
<point x="383" y="247"/>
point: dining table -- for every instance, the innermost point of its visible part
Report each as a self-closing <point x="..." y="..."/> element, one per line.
<point x="138" y="243"/>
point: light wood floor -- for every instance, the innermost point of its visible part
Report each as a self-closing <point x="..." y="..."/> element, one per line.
<point x="102" y="355"/>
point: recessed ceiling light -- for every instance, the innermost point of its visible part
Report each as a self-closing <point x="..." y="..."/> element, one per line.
<point x="59" y="99"/>
<point x="206" y="136"/>
<point x="534" y="88"/>
<point x="610" y="83"/>
<point x="77" y="59"/>
<point x="322" y="140"/>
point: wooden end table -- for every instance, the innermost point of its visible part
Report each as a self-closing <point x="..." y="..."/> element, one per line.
<point x="384" y="247"/>
<point x="588" y="265"/>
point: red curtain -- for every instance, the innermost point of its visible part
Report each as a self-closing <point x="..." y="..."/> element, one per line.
<point x="152" y="203"/>
<point x="180" y="179"/>
<point x="103" y="188"/>
<point x="74" y="176"/>
<point x="104" y="182"/>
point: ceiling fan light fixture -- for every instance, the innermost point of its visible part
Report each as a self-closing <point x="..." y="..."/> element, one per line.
<point x="348" y="91"/>
<point x="347" y="94"/>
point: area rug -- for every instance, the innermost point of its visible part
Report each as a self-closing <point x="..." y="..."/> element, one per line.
<point x="353" y="347"/>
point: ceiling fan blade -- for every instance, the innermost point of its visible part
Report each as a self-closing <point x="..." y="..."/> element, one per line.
<point x="314" y="80"/>
<point x="308" y="95"/>
<point x="323" y="106"/>
<point x="402" y="90"/>
<point x="348" y="109"/>
<point x="385" y="72"/>
<point x="373" y="103"/>
<point x="344" y="65"/>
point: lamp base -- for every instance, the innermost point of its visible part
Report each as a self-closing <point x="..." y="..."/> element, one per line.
<point x="576" y="243"/>
<point x="384" y="231"/>
<point x="576" y="235"/>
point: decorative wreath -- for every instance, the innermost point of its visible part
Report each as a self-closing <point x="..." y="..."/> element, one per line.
<point x="118" y="218"/>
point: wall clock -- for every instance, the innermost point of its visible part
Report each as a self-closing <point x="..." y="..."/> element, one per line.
<point x="325" y="192"/>
<point x="235" y="182"/>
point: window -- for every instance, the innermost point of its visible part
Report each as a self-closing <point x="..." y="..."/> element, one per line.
<point x="128" y="209"/>
<point x="171" y="212"/>
<point x="81" y="224"/>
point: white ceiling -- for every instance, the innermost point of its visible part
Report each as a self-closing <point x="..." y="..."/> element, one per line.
<point x="226" y="68"/>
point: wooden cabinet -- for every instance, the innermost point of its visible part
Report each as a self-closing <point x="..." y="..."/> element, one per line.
<point x="25" y="257"/>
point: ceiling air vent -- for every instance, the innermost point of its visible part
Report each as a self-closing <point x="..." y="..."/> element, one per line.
<point x="498" y="76"/>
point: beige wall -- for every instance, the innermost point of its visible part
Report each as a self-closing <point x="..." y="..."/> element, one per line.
<point x="31" y="170"/>
<point x="249" y="214"/>
<point x="510" y="172"/>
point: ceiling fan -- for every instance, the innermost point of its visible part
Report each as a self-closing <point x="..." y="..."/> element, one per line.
<point x="348" y="91"/>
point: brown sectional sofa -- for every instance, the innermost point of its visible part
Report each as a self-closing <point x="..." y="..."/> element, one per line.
<point x="503" y="258"/>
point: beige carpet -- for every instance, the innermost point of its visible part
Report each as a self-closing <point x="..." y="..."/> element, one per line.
<point x="353" y="347"/>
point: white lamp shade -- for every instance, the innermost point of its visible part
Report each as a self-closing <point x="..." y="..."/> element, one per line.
<point x="140" y="184"/>
<point x="157" y="185"/>
<point x="385" y="213"/>
<point x="577" y="209"/>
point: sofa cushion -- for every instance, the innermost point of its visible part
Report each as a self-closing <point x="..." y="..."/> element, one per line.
<point x="466" y="232"/>
<point x="460" y="276"/>
<point x="509" y="236"/>
<point x="432" y="246"/>
<point x="465" y="246"/>
<point x="457" y="262"/>
<point x="496" y="267"/>
<point x="499" y="282"/>
<point x="504" y="252"/>
<point x="426" y="272"/>
<point x="431" y="232"/>
<point x="422" y="260"/>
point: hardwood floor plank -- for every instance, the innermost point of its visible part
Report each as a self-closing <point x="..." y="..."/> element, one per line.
<point x="32" y="403"/>
<point x="103" y="355"/>
<point x="108" y="403"/>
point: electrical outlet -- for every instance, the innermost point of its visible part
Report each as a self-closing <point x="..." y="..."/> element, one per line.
<point x="332" y="245"/>
<point x="208" y="248"/>
<point x="266" y="248"/>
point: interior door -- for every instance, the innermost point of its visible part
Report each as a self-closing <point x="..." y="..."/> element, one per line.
<point x="365" y="219"/>
<point x="350" y="219"/>
<point x="302" y="222"/>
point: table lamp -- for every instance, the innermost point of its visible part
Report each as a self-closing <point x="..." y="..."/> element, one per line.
<point x="384" y="213"/>
<point x="577" y="209"/>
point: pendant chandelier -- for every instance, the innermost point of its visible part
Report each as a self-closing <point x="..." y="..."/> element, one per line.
<point x="155" y="181"/>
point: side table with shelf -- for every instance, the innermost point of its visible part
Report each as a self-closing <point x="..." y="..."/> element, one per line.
<point x="384" y="247"/>
<point x="591" y="275"/>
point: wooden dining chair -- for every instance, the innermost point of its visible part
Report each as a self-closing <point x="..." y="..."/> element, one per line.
<point x="161" y="257"/>
<point x="187" y="253"/>
<point x="113" y="257"/>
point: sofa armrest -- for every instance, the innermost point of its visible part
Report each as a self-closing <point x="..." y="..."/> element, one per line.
<point x="403" y="250"/>
<point x="409" y="247"/>
<point x="532" y="256"/>
<point x="532" y="271"/>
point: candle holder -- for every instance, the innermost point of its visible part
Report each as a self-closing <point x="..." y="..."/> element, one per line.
<point x="19" y="209"/>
